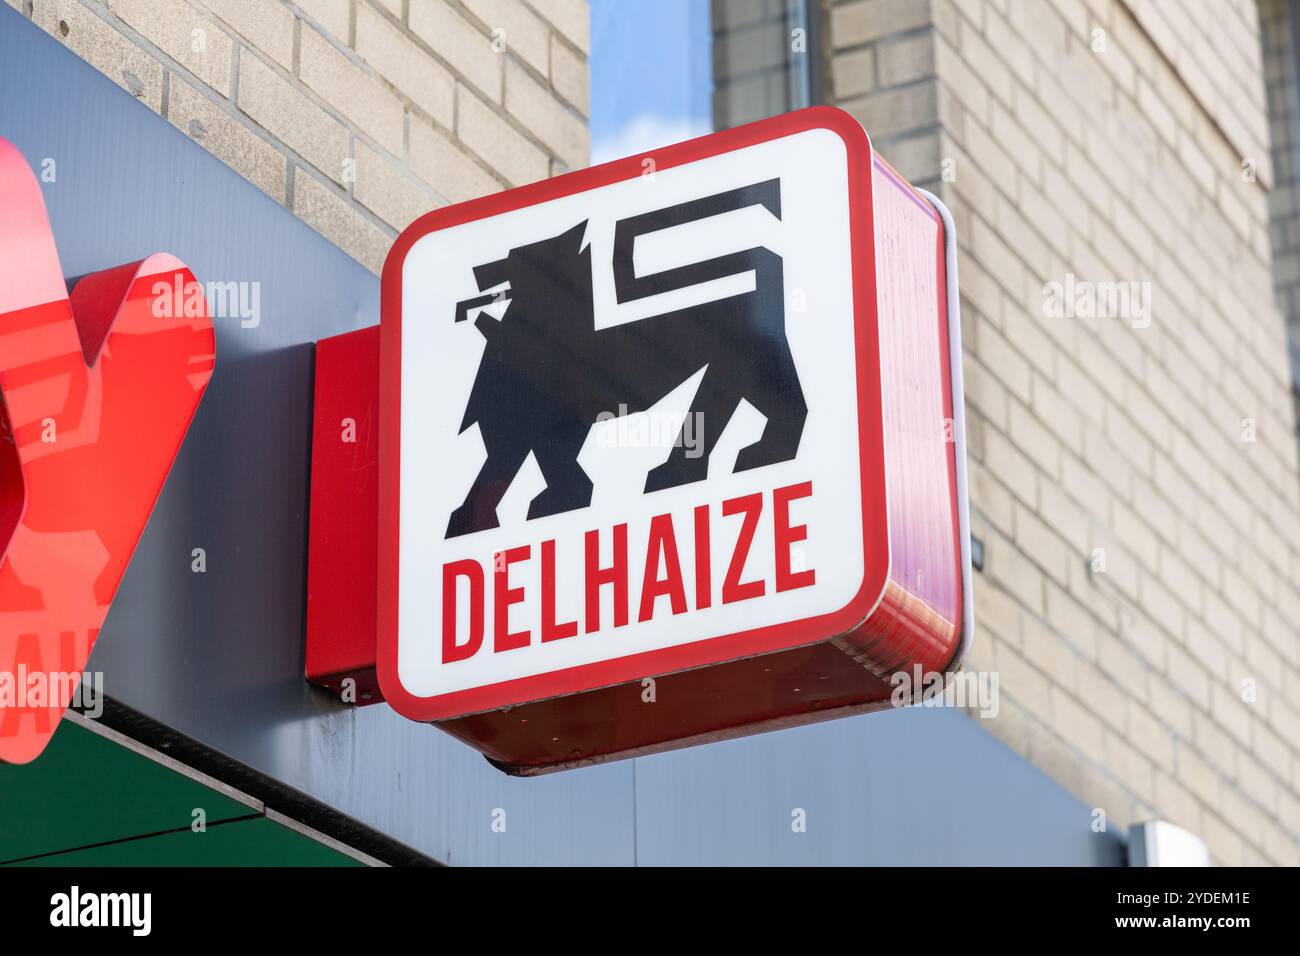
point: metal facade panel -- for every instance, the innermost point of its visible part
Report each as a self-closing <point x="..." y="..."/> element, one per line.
<point x="909" y="787"/>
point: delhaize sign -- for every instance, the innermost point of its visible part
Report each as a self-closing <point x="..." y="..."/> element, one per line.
<point x="669" y="449"/>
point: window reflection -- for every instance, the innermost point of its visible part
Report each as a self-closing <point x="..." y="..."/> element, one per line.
<point x="666" y="70"/>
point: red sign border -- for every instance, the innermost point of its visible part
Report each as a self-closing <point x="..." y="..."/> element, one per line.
<point x="875" y="534"/>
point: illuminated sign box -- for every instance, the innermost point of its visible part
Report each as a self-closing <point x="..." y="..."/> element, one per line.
<point x="660" y="452"/>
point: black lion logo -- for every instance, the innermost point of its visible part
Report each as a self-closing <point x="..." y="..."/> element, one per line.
<point x="547" y="374"/>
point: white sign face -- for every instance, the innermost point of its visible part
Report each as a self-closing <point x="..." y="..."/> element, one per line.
<point x="630" y="436"/>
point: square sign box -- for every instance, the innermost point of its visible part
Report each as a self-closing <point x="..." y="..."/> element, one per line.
<point x="670" y="450"/>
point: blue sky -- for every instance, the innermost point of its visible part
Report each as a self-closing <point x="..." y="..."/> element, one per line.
<point x="651" y="74"/>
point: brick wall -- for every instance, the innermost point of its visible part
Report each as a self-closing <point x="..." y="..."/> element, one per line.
<point x="1283" y="86"/>
<point x="1280" y="35"/>
<point x="755" y="72"/>
<point x="1133" y="475"/>
<point x="881" y="69"/>
<point x="359" y="115"/>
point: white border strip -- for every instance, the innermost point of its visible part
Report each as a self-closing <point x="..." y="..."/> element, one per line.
<point x="158" y="757"/>
<point x="958" y="428"/>
<point x="114" y="736"/>
<point x="289" y="823"/>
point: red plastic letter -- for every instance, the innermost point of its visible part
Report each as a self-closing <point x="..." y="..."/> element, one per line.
<point x="504" y="596"/>
<point x="785" y="536"/>
<point x="662" y="538"/>
<point x="733" y="589"/>
<point x="472" y="571"/>
<point x="615" y="574"/>
<point x="550" y="630"/>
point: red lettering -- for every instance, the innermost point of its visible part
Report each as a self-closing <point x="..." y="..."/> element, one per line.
<point x="504" y="596"/>
<point x="733" y="589"/>
<point x="785" y="536"/>
<point x="661" y="575"/>
<point x="550" y="630"/>
<point x="473" y="572"/>
<point x="703" y="559"/>
<point x="662" y="538"/>
<point x="596" y="576"/>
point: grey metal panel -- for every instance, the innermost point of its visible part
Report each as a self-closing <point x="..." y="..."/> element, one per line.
<point x="908" y="787"/>
<point x="218" y="656"/>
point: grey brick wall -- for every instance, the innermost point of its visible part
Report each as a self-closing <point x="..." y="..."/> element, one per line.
<point x="1133" y="475"/>
<point x="359" y="115"/>
<point x="759" y="63"/>
<point x="1278" y="18"/>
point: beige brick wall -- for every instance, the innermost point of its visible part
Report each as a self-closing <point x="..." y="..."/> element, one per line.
<point x="1214" y="47"/>
<point x="755" y="73"/>
<point x="1105" y="139"/>
<point x="359" y="115"/>
<point x="1278" y="20"/>
<point x="881" y="69"/>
